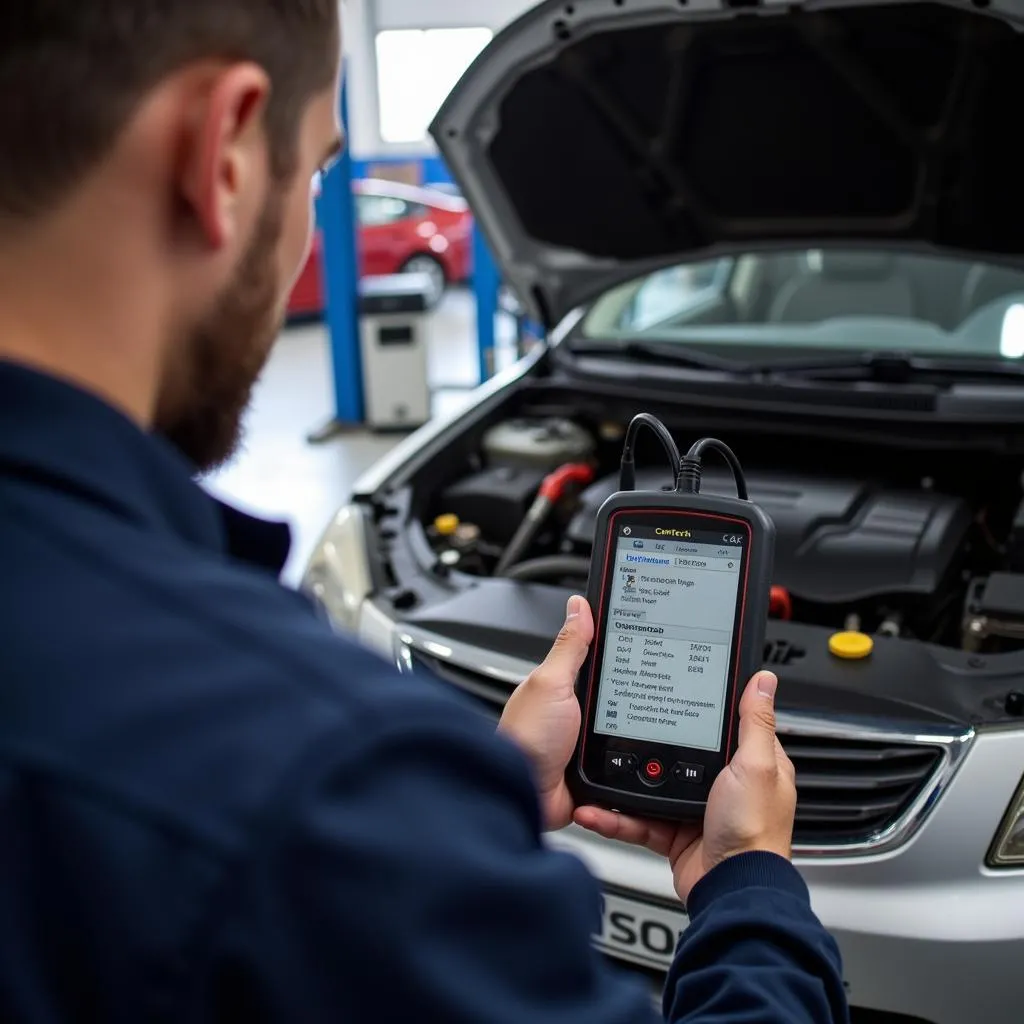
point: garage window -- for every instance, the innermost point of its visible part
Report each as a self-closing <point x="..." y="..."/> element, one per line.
<point x="416" y="69"/>
<point x="376" y="211"/>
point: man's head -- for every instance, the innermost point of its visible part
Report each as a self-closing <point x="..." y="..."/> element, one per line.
<point x="168" y="144"/>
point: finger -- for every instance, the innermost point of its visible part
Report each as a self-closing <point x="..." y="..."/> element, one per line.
<point x="657" y="836"/>
<point x="757" y="720"/>
<point x="560" y="668"/>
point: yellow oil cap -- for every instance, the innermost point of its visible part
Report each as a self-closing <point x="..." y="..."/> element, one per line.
<point x="850" y="645"/>
<point x="446" y="525"/>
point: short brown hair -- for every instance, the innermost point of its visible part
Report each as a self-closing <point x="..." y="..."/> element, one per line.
<point x="72" y="73"/>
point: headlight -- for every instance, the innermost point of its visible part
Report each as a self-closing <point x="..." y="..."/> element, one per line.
<point x="1008" y="849"/>
<point x="338" y="574"/>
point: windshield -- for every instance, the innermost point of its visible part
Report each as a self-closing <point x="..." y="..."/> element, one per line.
<point x="834" y="299"/>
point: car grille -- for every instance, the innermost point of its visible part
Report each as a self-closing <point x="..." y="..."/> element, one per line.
<point x="848" y="791"/>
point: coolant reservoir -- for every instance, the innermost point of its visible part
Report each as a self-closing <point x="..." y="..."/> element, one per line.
<point x="537" y="444"/>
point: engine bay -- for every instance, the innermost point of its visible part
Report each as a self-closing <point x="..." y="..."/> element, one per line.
<point x="888" y="552"/>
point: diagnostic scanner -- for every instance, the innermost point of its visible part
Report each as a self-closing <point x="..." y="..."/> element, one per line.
<point x="680" y="586"/>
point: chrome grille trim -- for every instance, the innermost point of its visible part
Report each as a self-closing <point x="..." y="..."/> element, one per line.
<point x="492" y="677"/>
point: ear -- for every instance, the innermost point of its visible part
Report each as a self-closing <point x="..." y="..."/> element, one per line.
<point x="225" y="152"/>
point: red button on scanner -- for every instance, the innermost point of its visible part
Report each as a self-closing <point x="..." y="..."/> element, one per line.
<point x="654" y="770"/>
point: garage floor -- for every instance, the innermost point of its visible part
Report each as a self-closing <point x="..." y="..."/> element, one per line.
<point x="280" y="475"/>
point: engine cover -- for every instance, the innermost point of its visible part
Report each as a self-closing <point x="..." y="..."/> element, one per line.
<point x="838" y="541"/>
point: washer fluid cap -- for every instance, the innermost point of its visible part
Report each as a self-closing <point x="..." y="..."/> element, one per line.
<point x="446" y="525"/>
<point x="851" y="645"/>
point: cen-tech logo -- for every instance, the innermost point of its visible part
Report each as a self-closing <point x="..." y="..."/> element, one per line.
<point x="685" y="534"/>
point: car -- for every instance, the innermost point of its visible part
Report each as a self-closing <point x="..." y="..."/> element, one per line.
<point x="798" y="228"/>
<point x="401" y="229"/>
<point x="448" y="187"/>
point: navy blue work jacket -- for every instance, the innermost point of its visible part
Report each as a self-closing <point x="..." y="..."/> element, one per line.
<point x="214" y="809"/>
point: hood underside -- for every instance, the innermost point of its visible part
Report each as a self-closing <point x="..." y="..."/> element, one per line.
<point x="601" y="139"/>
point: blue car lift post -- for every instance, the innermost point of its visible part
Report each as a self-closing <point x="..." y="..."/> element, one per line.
<point x="486" y="286"/>
<point x="336" y="216"/>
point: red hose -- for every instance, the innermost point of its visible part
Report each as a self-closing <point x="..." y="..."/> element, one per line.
<point x="552" y="490"/>
<point x="555" y="484"/>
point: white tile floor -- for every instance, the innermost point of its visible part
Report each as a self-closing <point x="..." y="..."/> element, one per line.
<point x="280" y="475"/>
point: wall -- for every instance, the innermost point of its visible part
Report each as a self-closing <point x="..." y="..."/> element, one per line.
<point x="493" y="14"/>
<point x="358" y="19"/>
<point x="363" y="19"/>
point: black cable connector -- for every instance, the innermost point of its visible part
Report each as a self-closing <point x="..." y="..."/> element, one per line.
<point x="687" y="471"/>
<point x="688" y="479"/>
<point x="627" y="468"/>
<point x="627" y="473"/>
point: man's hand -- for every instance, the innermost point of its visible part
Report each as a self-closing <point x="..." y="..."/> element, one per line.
<point x="543" y="715"/>
<point x="751" y="806"/>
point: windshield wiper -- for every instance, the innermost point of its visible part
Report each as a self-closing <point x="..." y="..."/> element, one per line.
<point x="892" y="368"/>
<point x="841" y="368"/>
<point x="671" y="353"/>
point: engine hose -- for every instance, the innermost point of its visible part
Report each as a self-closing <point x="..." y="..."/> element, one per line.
<point x="552" y="565"/>
<point x="524" y="536"/>
<point x="552" y="490"/>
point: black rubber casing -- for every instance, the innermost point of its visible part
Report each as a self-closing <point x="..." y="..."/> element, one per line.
<point x="672" y="797"/>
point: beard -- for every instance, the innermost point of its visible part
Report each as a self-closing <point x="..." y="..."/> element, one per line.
<point x="210" y="386"/>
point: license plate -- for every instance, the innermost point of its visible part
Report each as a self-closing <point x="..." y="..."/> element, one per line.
<point x="643" y="933"/>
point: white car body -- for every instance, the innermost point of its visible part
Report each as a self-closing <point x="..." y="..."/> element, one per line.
<point x="928" y="908"/>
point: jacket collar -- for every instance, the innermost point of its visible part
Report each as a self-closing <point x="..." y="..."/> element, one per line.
<point x="73" y="442"/>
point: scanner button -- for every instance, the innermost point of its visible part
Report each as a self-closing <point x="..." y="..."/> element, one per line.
<point x="615" y="761"/>
<point x="692" y="774"/>
<point x="654" y="770"/>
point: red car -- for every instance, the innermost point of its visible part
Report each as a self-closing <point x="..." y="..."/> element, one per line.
<point x="401" y="229"/>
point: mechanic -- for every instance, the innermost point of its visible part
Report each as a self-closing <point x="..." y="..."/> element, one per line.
<point x="211" y="808"/>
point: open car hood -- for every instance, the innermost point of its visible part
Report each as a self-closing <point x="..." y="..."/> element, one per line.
<point x="597" y="140"/>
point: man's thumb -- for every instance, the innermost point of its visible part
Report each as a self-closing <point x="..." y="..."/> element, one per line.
<point x="566" y="657"/>
<point x="757" y="716"/>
